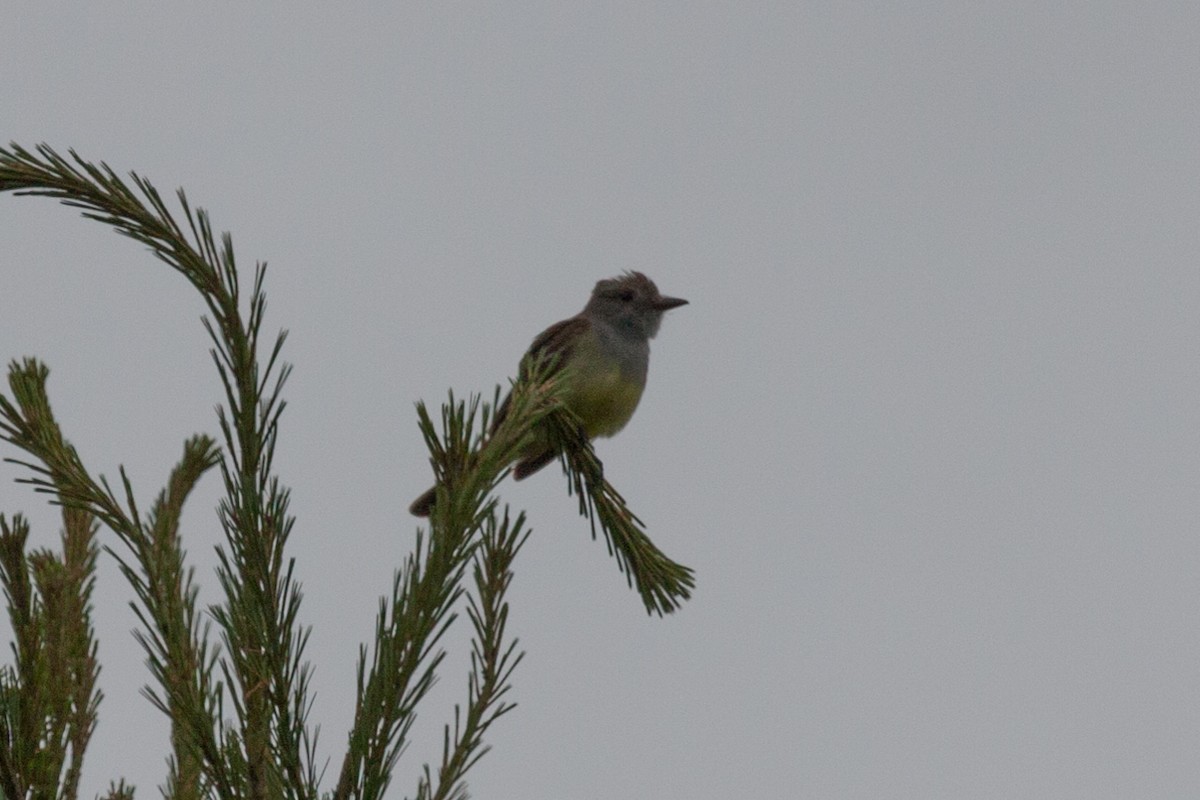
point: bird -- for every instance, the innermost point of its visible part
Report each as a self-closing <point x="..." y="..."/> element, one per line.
<point x="605" y="351"/>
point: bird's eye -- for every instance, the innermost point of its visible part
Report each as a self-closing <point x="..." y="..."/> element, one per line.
<point x="626" y="295"/>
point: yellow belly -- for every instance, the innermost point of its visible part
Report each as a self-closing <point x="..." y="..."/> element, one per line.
<point x="604" y="400"/>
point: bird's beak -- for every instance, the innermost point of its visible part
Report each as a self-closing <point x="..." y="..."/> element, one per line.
<point x="666" y="303"/>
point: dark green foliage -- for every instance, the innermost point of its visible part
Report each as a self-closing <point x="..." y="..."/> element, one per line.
<point x="239" y="704"/>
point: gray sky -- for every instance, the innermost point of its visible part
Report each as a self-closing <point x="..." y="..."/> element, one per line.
<point x="927" y="432"/>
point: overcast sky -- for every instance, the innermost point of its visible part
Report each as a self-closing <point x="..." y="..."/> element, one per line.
<point x="928" y="431"/>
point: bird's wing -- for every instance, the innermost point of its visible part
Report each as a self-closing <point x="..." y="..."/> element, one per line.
<point x="556" y="341"/>
<point x="559" y="339"/>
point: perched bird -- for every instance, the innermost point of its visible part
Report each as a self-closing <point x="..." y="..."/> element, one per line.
<point x="606" y="351"/>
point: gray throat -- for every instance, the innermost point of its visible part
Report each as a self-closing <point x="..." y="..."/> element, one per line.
<point x="630" y="348"/>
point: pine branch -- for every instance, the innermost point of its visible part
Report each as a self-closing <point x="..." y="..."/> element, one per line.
<point x="120" y="791"/>
<point x="662" y="583"/>
<point x="468" y="462"/>
<point x="170" y="632"/>
<point x="48" y="703"/>
<point x="493" y="661"/>
<point x="79" y="574"/>
<point x="268" y="750"/>
<point x="178" y="652"/>
<point x="259" y="618"/>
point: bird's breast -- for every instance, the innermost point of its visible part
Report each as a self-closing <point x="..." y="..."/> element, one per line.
<point x="604" y="400"/>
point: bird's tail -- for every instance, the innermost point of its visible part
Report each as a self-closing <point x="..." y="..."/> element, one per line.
<point x="423" y="505"/>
